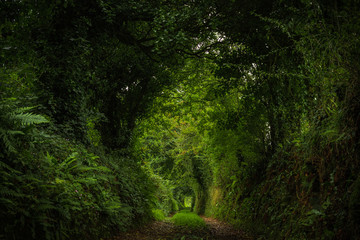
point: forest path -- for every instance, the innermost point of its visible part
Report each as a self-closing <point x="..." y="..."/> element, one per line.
<point x="166" y="230"/>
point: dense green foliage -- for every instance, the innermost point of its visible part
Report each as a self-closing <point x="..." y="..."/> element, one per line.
<point x="265" y="132"/>
<point x="113" y="112"/>
<point x="54" y="196"/>
<point x="54" y="188"/>
<point x="74" y="78"/>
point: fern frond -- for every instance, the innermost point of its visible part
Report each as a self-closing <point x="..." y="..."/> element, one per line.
<point x="14" y="132"/>
<point x="97" y="168"/>
<point x="69" y="160"/>
<point x="88" y="180"/>
<point x="9" y="169"/>
<point x="13" y="119"/>
<point x="7" y="202"/>
<point x="45" y="206"/>
<point x="27" y="119"/>
<point x="6" y="141"/>
<point x="4" y="191"/>
<point x="23" y="109"/>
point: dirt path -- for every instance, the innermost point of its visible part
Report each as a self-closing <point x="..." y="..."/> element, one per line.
<point x="165" y="230"/>
<point x="221" y="231"/>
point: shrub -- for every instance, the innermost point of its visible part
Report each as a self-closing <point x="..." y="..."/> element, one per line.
<point x="57" y="189"/>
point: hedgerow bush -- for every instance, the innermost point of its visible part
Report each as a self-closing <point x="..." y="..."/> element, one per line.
<point x="54" y="188"/>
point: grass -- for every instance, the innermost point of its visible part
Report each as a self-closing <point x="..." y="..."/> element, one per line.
<point x="158" y="214"/>
<point x="188" y="219"/>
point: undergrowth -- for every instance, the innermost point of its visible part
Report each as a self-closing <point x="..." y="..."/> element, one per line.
<point x="54" y="188"/>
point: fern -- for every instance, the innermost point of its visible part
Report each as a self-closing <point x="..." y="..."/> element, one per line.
<point x="13" y="120"/>
<point x="27" y="119"/>
<point x="7" y="140"/>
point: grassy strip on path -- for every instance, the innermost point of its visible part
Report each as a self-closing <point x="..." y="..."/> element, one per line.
<point x="188" y="219"/>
